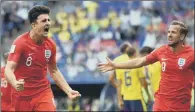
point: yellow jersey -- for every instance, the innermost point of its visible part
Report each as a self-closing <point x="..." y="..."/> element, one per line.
<point x="132" y="86"/>
<point x="120" y="72"/>
<point x="154" y="74"/>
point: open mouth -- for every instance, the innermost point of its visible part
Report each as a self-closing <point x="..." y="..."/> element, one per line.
<point x="46" y="29"/>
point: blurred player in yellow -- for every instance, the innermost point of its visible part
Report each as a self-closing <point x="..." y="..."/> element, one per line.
<point x="134" y="80"/>
<point x="118" y="74"/>
<point x="152" y="72"/>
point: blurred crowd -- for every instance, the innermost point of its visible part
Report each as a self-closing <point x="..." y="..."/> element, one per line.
<point x="14" y="15"/>
<point x="88" y="31"/>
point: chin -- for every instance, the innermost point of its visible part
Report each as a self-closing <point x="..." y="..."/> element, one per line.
<point x="170" y="44"/>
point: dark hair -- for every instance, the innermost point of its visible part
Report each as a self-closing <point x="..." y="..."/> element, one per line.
<point x="37" y="10"/>
<point x="146" y="50"/>
<point x="124" y="46"/>
<point x="183" y="29"/>
<point x="131" y="51"/>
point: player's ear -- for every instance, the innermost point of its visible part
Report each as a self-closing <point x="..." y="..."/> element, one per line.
<point x="182" y="37"/>
<point x="33" y="25"/>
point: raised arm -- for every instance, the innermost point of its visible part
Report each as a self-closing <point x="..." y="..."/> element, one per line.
<point x="133" y="63"/>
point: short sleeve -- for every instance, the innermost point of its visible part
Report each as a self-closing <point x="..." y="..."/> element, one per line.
<point x="152" y="57"/>
<point x="15" y="51"/>
<point x="53" y="57"/>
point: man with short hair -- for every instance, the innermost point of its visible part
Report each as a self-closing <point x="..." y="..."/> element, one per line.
<point x="31" y="54"/>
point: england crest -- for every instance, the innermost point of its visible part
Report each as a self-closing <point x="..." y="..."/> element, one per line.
<point x="47" y="54"/>
<point x="181" y="62"/>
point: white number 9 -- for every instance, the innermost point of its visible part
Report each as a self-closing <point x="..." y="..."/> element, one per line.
<point x="29" y="61"/>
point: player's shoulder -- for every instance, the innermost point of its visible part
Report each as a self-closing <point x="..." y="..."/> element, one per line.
<point x="50" y="41"/>
<point x="189" y="51"/>
<point x="21" y="39"/>
<point x="189" y="48"/>
<point x="162" y="48"/>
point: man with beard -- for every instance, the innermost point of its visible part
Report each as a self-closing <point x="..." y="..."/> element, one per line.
<point x="177" y="76"/>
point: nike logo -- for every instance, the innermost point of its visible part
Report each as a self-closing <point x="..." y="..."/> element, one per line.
<point x="163" y="59"/>
<point x="31" y="54"/>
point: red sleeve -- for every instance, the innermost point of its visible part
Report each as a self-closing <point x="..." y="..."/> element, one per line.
<point x="53" y="57"/>
<point x="15" y="51"/>
<point x="152" y="57"/>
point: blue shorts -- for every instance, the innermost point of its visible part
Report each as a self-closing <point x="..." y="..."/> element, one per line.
<point x="133" y="105"/>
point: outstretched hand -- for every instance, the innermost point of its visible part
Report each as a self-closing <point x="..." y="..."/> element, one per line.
<point x="104" y="67"/>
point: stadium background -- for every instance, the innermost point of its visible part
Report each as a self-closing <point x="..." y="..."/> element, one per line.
<point x="88" y="31"/>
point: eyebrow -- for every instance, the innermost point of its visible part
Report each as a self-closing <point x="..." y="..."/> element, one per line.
<point x="45" y="19"/>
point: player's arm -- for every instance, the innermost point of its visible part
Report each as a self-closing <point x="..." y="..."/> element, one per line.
<point x="9" y="72"/>
<point x="145" y="86"/>
<point x="10" y="76"/>
<point x="59" y="79"/>
<point x="119" y="77"/>
<point x="130" y="64"/>
<point x="13" y="58"/>
<point x="119" y="95"/>
<point x="144" y="83"/>
<point x="112" y="79"/>
<point x="61" y="82"/>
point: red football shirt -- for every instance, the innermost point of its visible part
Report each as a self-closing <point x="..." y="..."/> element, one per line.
<point x="5" y="93"/>
<point x="32" y="61"/>
<point x="177" y="74"/>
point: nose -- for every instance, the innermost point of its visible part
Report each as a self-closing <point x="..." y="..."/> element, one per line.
<point x="48" y="23"/>
<point x="169" y="34"/>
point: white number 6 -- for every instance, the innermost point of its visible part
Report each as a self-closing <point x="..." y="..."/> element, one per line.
<point x="29" y="61"/>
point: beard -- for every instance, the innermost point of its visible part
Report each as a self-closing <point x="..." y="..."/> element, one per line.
<point x="174" y="44"/>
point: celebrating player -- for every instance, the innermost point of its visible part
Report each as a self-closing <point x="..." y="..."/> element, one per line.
<point x="177" y="61"/>
<point x="6" y="104"/>
<point x="31" y="54"/>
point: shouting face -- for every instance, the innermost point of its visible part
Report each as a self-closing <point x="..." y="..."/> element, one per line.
<point x="42" y="25"/>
